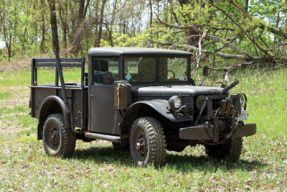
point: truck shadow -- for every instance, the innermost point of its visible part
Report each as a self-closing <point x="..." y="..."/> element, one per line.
<point x="184" y="163"/>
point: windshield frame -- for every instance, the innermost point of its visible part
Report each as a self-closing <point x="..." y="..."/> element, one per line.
<point x="157" y="81"/>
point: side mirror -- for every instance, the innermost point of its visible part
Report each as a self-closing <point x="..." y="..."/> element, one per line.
<point x="108" y="79"/>
<point x="205" y="70"/>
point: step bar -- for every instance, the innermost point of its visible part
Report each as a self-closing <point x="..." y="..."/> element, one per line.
<point x="116" y="139"/>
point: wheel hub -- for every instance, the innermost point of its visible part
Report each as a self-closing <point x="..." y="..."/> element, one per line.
<point x="141" y="147"/>
<point x="54" y="138"/>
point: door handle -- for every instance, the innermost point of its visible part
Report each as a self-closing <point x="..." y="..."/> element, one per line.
<point x="92" y="95"/>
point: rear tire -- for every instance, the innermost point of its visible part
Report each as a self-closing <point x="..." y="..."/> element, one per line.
<point x="229" y="151"/>
<point x="58" y="140"/>
<point x="147" y="142"/>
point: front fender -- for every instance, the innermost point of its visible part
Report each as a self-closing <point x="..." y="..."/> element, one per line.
<point x="160" y="106"/>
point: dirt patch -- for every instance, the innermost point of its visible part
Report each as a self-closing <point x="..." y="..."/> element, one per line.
<point x="20" y="97"/>
<point x="13" y="114"/>
<point x="12" y="130"/>
<point x="20" y="63"/>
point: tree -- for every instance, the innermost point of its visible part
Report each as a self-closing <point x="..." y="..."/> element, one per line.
<point x="63" y="14"/>
<point x="239" y="32"/>
<point x="99" y="34"/>
<point x="53" y="20"/>
<point x="8" y="23"/>
<point x="232" y="32"/>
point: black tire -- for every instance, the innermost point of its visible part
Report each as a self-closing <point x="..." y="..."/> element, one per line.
<point x="147" y="142"/>
<point x="229" y="151"/>
<point x="123" y="146"/>
<point x="58" y="140"/>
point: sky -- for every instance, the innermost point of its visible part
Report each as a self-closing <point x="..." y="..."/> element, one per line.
<point x="2" y="44"/>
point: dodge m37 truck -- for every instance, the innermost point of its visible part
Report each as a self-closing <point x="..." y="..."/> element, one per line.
<point x="142" y="99"/>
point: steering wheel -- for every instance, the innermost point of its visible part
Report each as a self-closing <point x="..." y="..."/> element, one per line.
<point x="172" y="74"/>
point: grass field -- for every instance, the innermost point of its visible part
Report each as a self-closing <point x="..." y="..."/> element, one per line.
<point x="96" y="166"/>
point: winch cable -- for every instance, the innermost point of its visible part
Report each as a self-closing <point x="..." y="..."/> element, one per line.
<point x="225" y="140"/>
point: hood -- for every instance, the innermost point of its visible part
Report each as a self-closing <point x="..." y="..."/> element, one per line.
<point x="175" y="90"/>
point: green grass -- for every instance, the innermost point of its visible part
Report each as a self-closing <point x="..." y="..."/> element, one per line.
<point x="48" y="75"/>
<point x="96" y="166"/>
<point x="267" y="100"/>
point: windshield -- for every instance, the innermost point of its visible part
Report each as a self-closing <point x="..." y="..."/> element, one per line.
<point x="146" y="68"/>
<point x="172" y="69"/>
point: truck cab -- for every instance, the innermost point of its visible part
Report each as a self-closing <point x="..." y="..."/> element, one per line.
<point x="142" y="100"/>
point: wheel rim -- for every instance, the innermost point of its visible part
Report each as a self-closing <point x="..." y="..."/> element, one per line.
<point x="141" y="146"/>
<point x="53" y="137"/>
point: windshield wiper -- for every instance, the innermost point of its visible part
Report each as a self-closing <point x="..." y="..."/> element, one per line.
<point x="139" y="60"/>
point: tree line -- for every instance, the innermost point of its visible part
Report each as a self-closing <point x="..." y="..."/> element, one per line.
<point x="239" y="32"/>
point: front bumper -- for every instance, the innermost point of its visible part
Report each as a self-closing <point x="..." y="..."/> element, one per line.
<point x="199" y="132"/>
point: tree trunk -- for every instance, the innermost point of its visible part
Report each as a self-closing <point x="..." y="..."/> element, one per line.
<point x="63" y="13"/>
<point x="246" y="5"/>
<point x="96" y="30"/>
<point x="112" y="23"/>
<point x="43" y="29"/>
<point x="192" y="40"/>
<point x="150" y="13"/>
<point x="101" y="23"/>
<point x="9" y="46"/>
<point x="53" y="19"/>
<point x="81" y="11"/>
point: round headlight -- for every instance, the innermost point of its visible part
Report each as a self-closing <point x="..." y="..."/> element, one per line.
<point x="177" y="103"/>
<point x="174" y="102"/>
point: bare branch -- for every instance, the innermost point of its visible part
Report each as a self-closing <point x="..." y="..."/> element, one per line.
<point x="260" y="48"/>
<point x="210" y="42"/>
<point x="182" y="40"/>
<point x="224" y="45"/>
<point x="261" y="26"/>
<point x="241" y="9"/>
<point x="278" y="45"/>
<point x="263" y="41"/>
<point x="229" y="56"/>
<point x="208" y="35"/>
<point x="216" y="28"/>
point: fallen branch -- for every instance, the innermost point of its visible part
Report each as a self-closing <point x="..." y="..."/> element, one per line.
<point x="260" y="48"/>
<point x="260" y="25"/>
<point x="278" y="45"/>
<point x="209" y="36"/>
<point x="225" y="55"/>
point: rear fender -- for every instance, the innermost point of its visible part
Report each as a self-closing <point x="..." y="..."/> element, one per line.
<point x="51" y="105"/>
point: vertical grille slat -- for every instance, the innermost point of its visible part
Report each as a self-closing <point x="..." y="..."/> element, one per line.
<point x="216" y="103"/>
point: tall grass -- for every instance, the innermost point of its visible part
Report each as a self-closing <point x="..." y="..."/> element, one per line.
<point x="96" y="166"/>
<point x="267" y="99"/>
<point x="266" y="92"/>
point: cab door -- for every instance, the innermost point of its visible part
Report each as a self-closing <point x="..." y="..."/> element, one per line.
<point x="103" y="116"/>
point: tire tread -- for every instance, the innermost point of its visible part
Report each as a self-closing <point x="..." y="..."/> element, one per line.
<point x="156" y="137"/>
<point x="229" y="152"/>
<point x="68" y="136"/>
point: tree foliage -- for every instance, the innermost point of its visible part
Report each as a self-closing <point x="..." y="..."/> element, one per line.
<point x="242" y="32"/>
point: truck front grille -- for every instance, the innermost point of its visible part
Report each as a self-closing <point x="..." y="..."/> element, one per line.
<point x="216" y="103"/>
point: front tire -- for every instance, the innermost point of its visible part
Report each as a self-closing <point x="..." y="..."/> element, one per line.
<point x="229" y="151"/>
<point x="147" y="142"/>
<point x="58" y="140"/>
